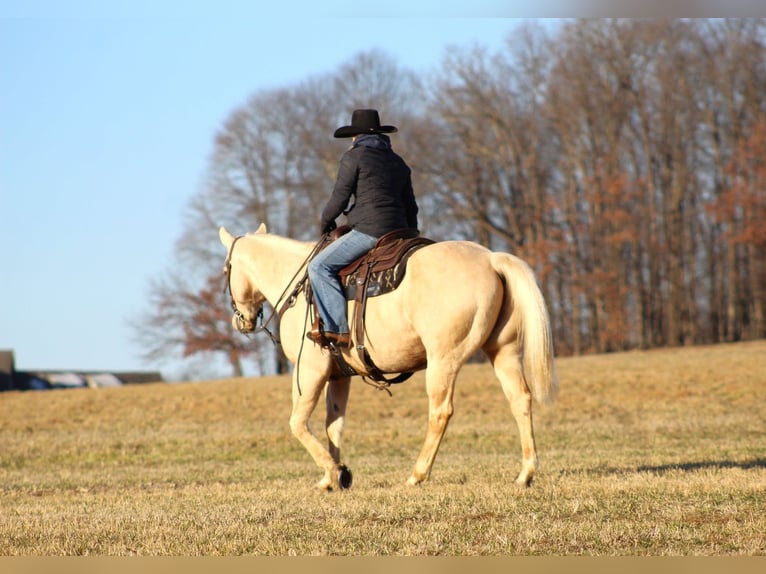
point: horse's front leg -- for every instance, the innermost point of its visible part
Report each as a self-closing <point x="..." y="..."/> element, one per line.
<point x="337" y="399"/>
<point x="308" y="385"/>
<point x="335" y="423"/>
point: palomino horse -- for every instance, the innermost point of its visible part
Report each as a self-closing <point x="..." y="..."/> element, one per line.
<point x="456" y="297"/>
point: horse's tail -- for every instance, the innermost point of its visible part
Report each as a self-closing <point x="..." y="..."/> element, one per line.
<point x="525" y="314"/>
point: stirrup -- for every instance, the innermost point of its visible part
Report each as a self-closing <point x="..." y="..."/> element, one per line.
<point x="327" y="339"/>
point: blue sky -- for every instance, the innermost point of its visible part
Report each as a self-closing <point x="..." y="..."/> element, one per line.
<point x="107" y="117"/>
<point x="106" y="123"/>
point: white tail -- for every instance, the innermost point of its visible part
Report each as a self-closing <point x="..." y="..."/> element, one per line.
<point x="530" y="315"/>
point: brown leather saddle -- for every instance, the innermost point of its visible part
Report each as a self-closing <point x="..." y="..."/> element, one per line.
<point x="381" y="270"/>
<point x="375" y="273"/>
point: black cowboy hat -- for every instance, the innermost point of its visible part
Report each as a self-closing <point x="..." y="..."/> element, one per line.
<point x="364" y="122"/>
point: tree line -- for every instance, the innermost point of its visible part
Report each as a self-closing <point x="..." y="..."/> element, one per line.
<point x="623" y="159"/>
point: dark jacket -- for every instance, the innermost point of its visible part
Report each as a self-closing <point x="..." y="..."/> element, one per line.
<point x="378" y="184"/>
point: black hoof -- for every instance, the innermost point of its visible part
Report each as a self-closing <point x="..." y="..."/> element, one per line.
<point x="344" y="478"/>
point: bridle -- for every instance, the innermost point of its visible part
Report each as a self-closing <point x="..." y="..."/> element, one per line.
<point x="278" y="311"/>
<point x="241" y="319"/>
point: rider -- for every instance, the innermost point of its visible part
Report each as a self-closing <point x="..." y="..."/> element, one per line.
<point x="373" y="189"/>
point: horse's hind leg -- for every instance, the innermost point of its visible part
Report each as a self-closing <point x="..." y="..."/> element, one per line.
<point x="305" y="399"/>
<point x="440" y="385"/>
<point x="336" y="399"/>
<point x="508" y="369"/>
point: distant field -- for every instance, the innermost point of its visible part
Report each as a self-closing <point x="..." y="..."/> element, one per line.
<point x="645" y="453"/>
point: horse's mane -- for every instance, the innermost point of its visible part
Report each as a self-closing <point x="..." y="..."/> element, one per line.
<point x="291" y="246"/>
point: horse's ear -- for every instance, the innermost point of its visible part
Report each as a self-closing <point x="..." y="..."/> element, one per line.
<point x="226" y="238"/>
<point x="261" y="228"/>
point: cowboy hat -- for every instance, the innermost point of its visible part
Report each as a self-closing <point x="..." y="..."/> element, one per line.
<point x="364" y="122"/>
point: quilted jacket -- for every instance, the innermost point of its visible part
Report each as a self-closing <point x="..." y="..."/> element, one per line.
<point x="373" y="188"/>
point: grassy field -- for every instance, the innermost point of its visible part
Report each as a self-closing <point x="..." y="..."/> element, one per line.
<point x="645" y="453"/>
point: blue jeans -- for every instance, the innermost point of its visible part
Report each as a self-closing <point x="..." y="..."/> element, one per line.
<point x="323" y="274"/>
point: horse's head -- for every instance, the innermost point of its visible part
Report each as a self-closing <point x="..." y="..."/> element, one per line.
<point x="246" y="299"/>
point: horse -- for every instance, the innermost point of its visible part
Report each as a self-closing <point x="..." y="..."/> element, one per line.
<point x="456" y="297"/>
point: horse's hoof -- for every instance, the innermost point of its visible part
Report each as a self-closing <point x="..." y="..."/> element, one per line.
<point x="345" y="478"/>
<point x="524" y="481"/>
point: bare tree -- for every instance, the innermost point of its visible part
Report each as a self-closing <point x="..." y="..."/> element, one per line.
<point x="490" y="164"/>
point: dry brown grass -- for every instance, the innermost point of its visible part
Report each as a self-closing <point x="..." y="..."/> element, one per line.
<point x="645" y="453"/>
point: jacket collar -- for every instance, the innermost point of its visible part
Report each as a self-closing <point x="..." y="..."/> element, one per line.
<point x="377" y="141"/>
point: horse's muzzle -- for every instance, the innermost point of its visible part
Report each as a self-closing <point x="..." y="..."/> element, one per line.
<point x="241" y="324"/>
